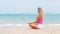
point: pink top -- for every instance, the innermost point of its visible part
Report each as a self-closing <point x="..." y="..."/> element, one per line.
<point x="40" y="21"/>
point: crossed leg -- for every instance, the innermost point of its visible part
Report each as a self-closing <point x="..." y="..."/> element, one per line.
<point x="33" y="26"/>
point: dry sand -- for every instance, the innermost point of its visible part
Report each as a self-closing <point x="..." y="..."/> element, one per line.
<point x="26" y="30"/>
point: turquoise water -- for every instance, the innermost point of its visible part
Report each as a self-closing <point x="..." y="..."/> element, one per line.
<point x="25" y="18"/>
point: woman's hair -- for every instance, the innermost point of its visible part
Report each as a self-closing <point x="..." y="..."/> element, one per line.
<point x="39" y="8"/>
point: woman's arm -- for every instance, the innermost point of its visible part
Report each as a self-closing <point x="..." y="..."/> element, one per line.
<point x="35" y="22"/>
<point x="36" y="19"/>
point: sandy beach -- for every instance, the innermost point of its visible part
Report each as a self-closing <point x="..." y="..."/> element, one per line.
<point x="26" y="30"/>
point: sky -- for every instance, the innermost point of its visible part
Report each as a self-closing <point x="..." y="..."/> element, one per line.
<point x="29" y="6"/>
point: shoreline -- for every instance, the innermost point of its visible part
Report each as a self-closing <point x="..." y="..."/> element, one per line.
<point x="27" y="24"/>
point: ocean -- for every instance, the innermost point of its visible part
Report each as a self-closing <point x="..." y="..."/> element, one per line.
<point x="26" y="18"/>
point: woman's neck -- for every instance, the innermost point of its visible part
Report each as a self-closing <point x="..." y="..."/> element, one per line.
<point x="40" y="16"/>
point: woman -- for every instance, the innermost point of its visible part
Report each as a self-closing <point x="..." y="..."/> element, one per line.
<point x="39" y="20"/>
